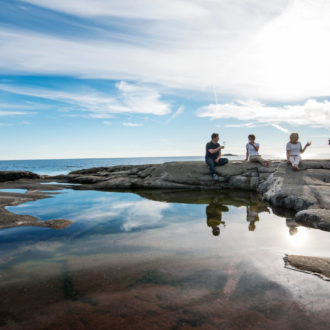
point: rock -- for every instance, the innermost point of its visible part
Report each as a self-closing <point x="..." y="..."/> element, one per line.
<point x="314" y="265"/>
<point x="316" y="218"/>
<point x="16" y="175"/>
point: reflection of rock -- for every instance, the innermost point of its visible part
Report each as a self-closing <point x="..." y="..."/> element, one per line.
<point x="225" y="197"/>
<point x="319" y="266"/>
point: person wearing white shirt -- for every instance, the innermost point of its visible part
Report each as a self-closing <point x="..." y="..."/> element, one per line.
<point x="252" y="151"/>
<point x="294" y="149"/>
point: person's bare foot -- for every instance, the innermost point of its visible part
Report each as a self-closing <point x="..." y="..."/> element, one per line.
<point x="295" y="168"/>
<point x="266" y="163"/>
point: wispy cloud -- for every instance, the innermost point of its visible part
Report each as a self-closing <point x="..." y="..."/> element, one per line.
<point x="12" y="113"/>
<point x="280" y="128"/>
<point x="247" y="125"/>
<point x="146" y="9"/>
<point x="131" y="124"/>
<point x="251" y="49"/>
<point x="176" y="113"/>
<point x="128" y="98"/>
<point x="311" y="113"/>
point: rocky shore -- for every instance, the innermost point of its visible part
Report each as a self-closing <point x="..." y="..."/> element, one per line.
<point x="303" y="195"/>
<point x="306" y="192"/>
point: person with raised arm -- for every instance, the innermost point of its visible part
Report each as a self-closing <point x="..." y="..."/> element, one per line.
<point x="293" y="151"/>
<point x="213" y="155"/>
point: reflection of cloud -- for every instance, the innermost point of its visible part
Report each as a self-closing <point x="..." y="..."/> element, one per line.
<point x="141" y="213"/>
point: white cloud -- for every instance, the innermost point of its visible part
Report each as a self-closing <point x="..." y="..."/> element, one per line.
<point x="131" y="124"/>
<point x="11" y="113"/>
<point x="107" y="122"/>
<point x="129" y="98"/>
<point x="253" y="49"/>
<point x="311" y="113"/>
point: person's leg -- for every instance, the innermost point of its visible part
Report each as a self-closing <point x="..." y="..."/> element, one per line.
<point x="262" y="161"/>
<point x="291" y="158"/>
<point x="210" y="164"/>
<point x="295" y="160"/>
<point x="221" y="161"/>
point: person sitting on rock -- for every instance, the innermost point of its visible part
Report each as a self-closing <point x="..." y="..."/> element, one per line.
<point x="293" y="151"/>
<point x="213" y="155"/>
<point x="252" y="151"/>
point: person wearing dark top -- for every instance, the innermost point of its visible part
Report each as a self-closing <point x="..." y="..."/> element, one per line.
<point x="213" y="155"/>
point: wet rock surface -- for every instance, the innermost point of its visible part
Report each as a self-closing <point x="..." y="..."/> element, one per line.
<point x="35" y="192"/>
<point x="314" y="265"/>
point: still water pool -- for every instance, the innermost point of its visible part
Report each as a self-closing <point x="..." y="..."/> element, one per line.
<point x="159" y="260"/>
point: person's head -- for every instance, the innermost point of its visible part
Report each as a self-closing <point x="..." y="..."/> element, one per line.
<point x="216" y="231"/>
<point x="252" y="226"/>
<point x="294" y="137"/>
<point x="215" y="137"/>
<point x="251" y="138"/>
<point x="293" y="230"/>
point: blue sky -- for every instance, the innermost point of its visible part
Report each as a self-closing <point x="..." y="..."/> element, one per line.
<point x="124" y="78"/>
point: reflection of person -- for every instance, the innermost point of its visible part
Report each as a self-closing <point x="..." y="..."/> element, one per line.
<point x="214" y="216"/>
<point x="293" y="227"/>
<point x="293" y="151"/>
<point x="252" y="151"/>
<point x="213" y="155"/>
<point x="252" y="214"/>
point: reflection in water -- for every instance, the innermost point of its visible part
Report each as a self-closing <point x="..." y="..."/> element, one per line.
<point x="147" y="261"/>
<point x="214" y="216"/>
<point x="293" y="226"/>
<point x="252" y="213"/>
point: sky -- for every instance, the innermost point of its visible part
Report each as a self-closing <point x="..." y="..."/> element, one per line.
<point x="128" y="78"/>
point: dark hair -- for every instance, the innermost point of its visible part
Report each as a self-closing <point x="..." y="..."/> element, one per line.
<point x="252" y="137"/>
<point x="214" y="135"/>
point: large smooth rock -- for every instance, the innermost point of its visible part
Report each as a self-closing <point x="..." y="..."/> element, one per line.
<point x="173" y="175"/>
<point x="313" y="265"/>
<point x="316" y="218"/>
